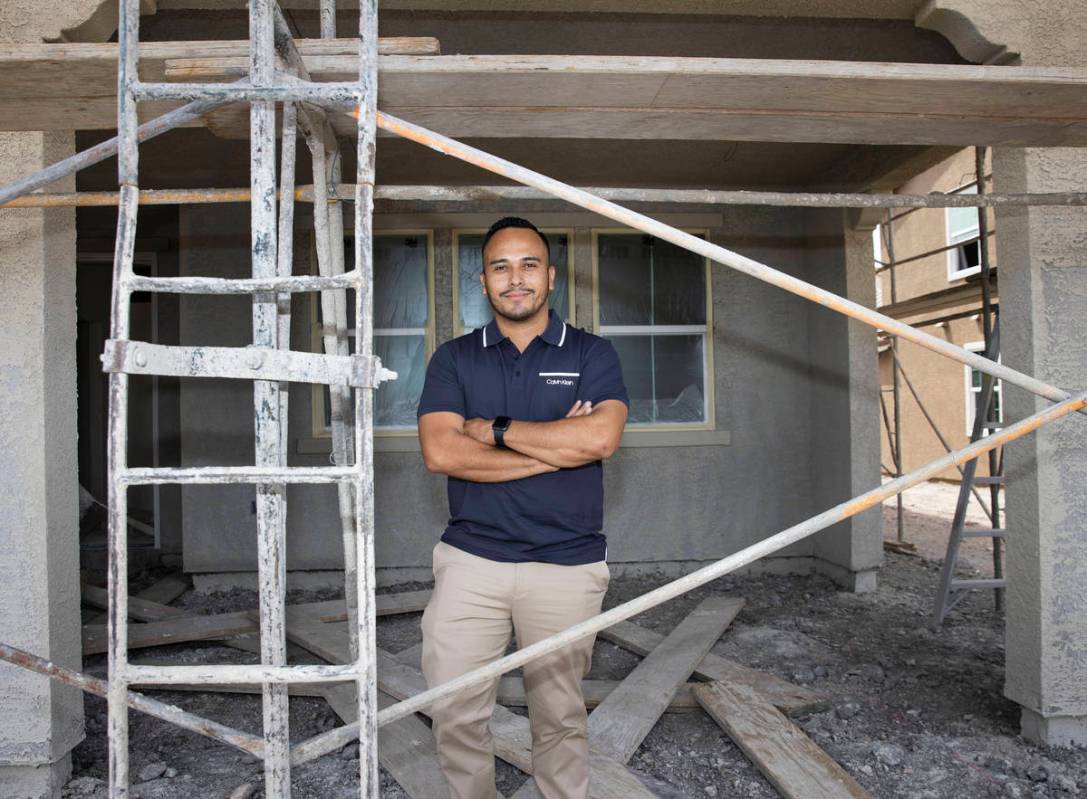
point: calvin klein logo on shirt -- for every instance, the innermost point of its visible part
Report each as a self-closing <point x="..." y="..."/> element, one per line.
<point x="560" y="378"/>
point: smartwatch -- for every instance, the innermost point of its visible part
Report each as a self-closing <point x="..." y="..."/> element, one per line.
<point x="499" y="427"/>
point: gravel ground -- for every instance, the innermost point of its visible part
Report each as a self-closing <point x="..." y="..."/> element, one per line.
<point x="912" y="713"/>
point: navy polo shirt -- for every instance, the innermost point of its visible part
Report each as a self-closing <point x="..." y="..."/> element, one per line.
<point x="555" y="517"/>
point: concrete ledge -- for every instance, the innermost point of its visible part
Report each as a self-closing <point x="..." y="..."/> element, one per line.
<point x="859" y="582"/>
<point x="1053" y="730"/>
<point x="35" y="782"/>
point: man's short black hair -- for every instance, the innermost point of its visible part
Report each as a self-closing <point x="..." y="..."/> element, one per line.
<point x="516" y="221"/>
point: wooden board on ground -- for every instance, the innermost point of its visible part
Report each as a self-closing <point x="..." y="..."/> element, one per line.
<point x="172" y="631"/>
<point x="511" y="688"/>
<point x="621" y="722"/>
<point x="294" y="689"/>
<point x="787" y="757"/>
<point x="150" y="604"/>
<point x="512" y="738"/>
<point x="792" y="700"/>
<point x="405" y="748"/>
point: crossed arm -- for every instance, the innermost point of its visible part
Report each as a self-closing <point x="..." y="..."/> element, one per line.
<point x="464" y="448"/>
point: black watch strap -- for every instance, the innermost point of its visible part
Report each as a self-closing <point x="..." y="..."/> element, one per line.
<point x="499" y="427"/>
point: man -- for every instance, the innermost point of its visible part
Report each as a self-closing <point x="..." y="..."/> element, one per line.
<point x="519" y="414"/>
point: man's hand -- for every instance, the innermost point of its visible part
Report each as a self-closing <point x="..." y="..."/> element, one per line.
<point x="579" y="408"/>
<point x="482" y="429"/>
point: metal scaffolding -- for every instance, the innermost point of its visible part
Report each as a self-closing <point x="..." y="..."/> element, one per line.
<point x="270" y="364"/>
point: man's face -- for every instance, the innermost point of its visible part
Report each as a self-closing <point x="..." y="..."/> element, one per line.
<point x="516" y="276"/>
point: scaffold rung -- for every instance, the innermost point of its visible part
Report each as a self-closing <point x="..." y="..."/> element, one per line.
<point x="217" y="285"/>
<point x="233" y="674"/>
<point x="223" y="475"/>
<point x="336" y="94"/>
<point x="244" y="363"/>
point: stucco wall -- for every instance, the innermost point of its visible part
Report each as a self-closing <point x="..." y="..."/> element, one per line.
<point x="663" y="503"/>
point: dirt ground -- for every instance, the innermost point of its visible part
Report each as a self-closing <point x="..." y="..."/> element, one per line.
<point x="912" y="712"/>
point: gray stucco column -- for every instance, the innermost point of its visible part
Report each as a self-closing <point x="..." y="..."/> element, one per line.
<point x="844" y="403"/>
<point x="39" y="524"/>
<point x="1042" y="264"/>
<point x="1042" y="254"/>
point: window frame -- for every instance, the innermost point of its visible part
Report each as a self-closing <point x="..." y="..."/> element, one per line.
<point x="971" y="393"/>
<point x="317" y="399"/>
<point x="458" y="327"/>
<point x="707" y="331"/>
<point x="953" y="237"/>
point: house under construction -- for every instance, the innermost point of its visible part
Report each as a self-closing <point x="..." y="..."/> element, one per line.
<point x="221" y="332"/>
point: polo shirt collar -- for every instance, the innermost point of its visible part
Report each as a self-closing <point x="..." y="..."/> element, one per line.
<point x="555" y="334"/>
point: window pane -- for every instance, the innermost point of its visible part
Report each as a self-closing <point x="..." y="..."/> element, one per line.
<point x="395" y="401"/>
<point x="664" y="377"/>
<point x="400" y="281"/>
<point x="625" y="273"/>
<point x="679" y="285"/>
<point x="475" y="310"/>
<point x="962" y="223"/>
<point x="968" y="255"/>
<point x="645" y="281"/>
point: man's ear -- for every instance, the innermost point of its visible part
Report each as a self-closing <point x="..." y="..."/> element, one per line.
<point x="551" y="277"/>
<point x="482" y="283"/>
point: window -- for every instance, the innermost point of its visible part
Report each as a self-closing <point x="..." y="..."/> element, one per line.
<point x="471" y="309"/>
<point x="403" y="328"/>
<point x="652" y="301"/>
<point x="962" y="226"/>
<point x="973" y="390"/>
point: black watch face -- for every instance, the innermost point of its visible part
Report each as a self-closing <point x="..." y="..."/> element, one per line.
<point x="501" y="423"/>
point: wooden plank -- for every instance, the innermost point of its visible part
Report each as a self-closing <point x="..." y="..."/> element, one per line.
<point x="511" y="688"/>
<point x="294" y="689"/>
<point x="173" y="631"/>
<point x="149" y="605"/>
<point x="405" y="748"/>
<point x="152" y="603"/>
<point x="140" y="608"/>
<point x="54" y="70"/>
<point x="512" y="737"/>
<point x="61" y="86"/>
<point x="788" y="758"/>
<point x="621" y="722"/>
<point x="793" y="700"/>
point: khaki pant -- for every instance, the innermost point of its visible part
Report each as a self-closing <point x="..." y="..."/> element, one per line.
<point x="467" y="624"/>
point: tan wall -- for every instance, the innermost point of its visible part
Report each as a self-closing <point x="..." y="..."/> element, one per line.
<point x="941" y="385"/>
<point x="925" y="230"/>
<point x="940" y="382"/>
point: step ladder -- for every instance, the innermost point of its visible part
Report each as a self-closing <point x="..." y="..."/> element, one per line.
<point x="953" y="589"/>
<point x="270" y="365"/>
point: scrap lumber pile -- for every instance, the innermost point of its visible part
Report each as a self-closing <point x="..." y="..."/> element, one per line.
<point x="678" y="673"/>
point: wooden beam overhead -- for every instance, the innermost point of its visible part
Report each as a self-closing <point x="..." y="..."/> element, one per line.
<point x="608" y="97"/>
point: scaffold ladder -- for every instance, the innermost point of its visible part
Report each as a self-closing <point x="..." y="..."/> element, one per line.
<point x="270" y="364"/>
<point x="954" y="589"/>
